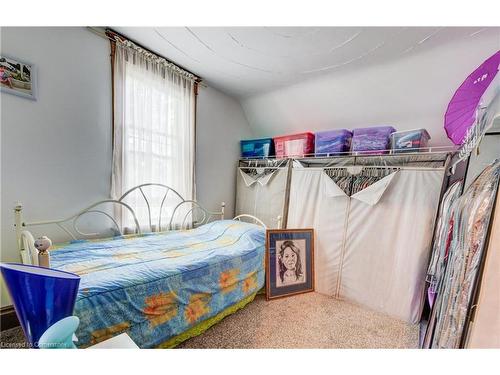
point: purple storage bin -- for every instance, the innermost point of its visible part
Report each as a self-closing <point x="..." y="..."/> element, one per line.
<point x="332" y="142"/>
<point x="374" y="140"/>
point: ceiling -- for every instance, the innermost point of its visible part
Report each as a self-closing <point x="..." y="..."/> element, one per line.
<point x="246" y="61"/>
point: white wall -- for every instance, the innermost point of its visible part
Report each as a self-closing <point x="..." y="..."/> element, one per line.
<point x="220" y="126"/>
<point x="412" y="92"/>
<point x="56" y="151"/>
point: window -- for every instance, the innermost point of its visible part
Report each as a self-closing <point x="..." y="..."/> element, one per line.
<point x="154" y="114"/>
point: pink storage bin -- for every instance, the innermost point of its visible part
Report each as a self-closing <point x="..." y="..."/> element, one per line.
<point x="295" y="145"/>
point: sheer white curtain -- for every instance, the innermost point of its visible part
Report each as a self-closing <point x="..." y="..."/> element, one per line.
<point x="154" y="129"/>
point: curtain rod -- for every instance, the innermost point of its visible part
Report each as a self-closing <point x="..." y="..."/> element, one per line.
<point x="104" y="34"/>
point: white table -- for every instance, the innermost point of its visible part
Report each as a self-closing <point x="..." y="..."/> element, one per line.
<point x="122" y="341"/>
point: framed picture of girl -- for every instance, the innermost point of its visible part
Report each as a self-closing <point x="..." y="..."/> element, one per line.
<point x="289" y="262"/>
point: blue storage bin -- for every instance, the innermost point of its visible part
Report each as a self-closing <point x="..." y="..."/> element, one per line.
<point x="257" y="148"/>
<point x="409" y="140"/>
<point x="332" y="142"/>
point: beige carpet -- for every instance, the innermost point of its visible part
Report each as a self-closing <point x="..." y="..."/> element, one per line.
<point x="304" y="321"/>
<point x="307" y="320"/>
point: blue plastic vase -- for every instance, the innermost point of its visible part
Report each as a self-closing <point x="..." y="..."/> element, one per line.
<point x="41" y="296"/>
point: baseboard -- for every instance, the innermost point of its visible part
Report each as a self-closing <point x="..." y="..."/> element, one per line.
<point x="8" y="318"/>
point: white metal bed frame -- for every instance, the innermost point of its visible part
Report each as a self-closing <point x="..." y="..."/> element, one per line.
<point x="26" y="241"/>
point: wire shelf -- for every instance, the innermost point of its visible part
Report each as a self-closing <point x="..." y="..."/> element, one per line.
<point x="430" y="156"/>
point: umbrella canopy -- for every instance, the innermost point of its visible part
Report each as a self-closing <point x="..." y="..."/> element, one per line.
<point x="461" y="112"/>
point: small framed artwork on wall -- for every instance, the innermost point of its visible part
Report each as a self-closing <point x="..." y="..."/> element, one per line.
<point x="17" y="77"/>
<point x="289" y="262"/>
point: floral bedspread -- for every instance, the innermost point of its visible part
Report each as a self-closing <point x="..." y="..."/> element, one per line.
<point x="157" y="286"/>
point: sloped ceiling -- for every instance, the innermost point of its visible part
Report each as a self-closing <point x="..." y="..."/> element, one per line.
<point x="291" y="79"/>
<point x="245" y="61"/>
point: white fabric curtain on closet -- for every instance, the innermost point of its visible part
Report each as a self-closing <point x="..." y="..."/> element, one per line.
<point x="262" y="196"/>
<point x="371" y="248"/>
<point x="154" y="130"/>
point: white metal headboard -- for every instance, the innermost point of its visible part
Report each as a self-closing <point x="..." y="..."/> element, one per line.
<point x="195" y="206"/>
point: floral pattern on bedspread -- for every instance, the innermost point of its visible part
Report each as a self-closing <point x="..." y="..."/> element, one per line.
<point x="155" y="287"/>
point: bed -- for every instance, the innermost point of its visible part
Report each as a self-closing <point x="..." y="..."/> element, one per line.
<point x="164" y="287"/>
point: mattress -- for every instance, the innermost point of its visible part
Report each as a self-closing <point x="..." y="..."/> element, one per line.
<point x="157" y="286"/>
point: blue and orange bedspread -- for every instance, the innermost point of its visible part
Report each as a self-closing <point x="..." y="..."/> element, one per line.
<point x="157" y="286"/>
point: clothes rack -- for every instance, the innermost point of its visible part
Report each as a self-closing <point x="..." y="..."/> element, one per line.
<point x="456" y="296"/>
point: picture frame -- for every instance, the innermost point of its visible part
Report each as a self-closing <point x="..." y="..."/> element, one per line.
<point x="289" y="262"/>
<point x="18" y="77"/>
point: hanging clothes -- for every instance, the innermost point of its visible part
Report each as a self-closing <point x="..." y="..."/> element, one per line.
<point x="471" y="217"/>
<point x="485" y="329"/>
<point x="262" y="192"/>
<point x="371" y="247"/>
<point x="442" y="239"/>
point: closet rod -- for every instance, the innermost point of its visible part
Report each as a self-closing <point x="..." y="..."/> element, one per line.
<point x="262" y="167"/>
<point x="376" y="167"/>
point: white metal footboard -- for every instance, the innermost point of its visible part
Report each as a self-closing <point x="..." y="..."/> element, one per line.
<point x="252" y="218"/>
<point x="70" y="225"/>
<point x="187" y="209"/>
<point x="29" y="254"/>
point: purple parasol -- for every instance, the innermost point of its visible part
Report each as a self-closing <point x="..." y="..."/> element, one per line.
<point x="461" y="112"/>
